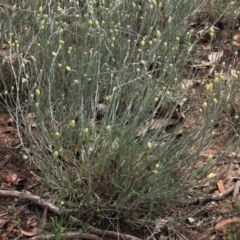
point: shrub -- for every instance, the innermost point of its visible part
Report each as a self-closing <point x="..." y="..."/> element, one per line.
<point x="91" y="73"/>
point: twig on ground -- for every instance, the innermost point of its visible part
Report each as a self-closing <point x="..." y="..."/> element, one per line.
<point x="43" y="220"/>
<point x="95" y="232"/>
<point x="208" y="198"/>
<point x="99" y="232"/>
<point x="68" y="235"/>
<point x="32" y="198"/>
<point x="236" y="189"/>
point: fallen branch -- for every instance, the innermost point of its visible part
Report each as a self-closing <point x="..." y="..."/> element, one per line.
<point x="208" y="198"/>
<point x="32" y="198"/>
<point x="95" y="232"/>
<point x="103" y="233"/>
<point x="68" y="235"/>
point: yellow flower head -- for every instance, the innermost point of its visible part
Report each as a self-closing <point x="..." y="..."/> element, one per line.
<point x="57" y="134"/>
<point x="24" y="80"/>
<point x="158" y="33"/>
<point x="169" y="20"/>
<point x="205" y="104"/>
<point x="55" y="154"/>
<point x="233" y="154"/>
<point x="61" y="42"/>
<point x="210" y="157"/>
<point x="209" y="87"/>
<point x="90" y="149"/>
<point x="37" y="91"/>
<point x="72" y="123"/>
<point x="14" y="7"/>
<point x="211" y="175"/>
<point x="149" y="145"/>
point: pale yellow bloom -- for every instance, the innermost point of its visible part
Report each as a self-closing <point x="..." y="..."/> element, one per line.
<point x="68" y="68"/>
<point x="211" y="175"/>
<point x="158" y="33"/>
<point x="210" y="157"/>
<point x="72" y="123"/>
<point x="37" y="91"/>
<point x="55" y="154"/>
<point x="205" y="104"/>
<point x="149" y="145"/>
<point x="57" y="134"/>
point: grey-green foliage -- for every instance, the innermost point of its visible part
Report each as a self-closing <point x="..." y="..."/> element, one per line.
<point x="122" y="54"/>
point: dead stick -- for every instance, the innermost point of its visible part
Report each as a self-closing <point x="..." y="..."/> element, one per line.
<point x="33" y="198"/>
<point x="208" y="198"/>
<point x="68" y="235"/>
<point x="236" y="189"/>
<point x="54" y="209"/>
<point x="99" y="232"/>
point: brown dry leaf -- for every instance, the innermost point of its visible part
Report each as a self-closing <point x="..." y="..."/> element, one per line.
<point x="29" y="234"/>
<point x="234" y="71"/>
<point x="7" y="130"/>
<point x="69" y="155"/>
<point x="155" y="124"/>
<point x="236" y="39"/>
<point x="203" y="30"/>
<point x="8" y="54"/>
<point x="215" y="56"/>
<point x="2" y="11"/>
<point x="3" y="222"/>
<point x="30" y="119"/>
<point x="10" y="177"/>
<point x="227" y="221"/>
<point x="236" y="189"/>
<point x="10" y="228"/>
<point x="135" y="215"/>
<point x="101" y="108"/>
<point x="236" y="44"/>
<point x="191" y="220"/>
<point x="220" y="185"/>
